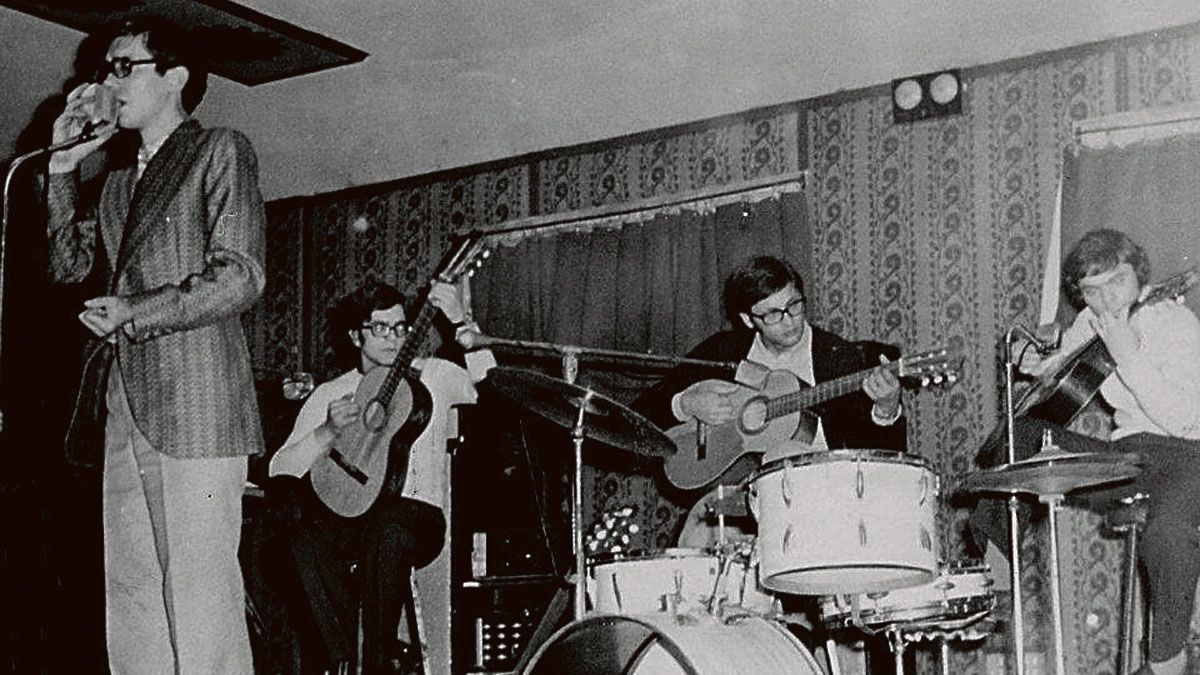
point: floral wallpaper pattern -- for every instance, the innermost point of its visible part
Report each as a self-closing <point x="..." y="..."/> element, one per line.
<point x="927" y="234"/>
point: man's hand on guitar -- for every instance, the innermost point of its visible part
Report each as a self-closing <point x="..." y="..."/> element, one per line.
<point x="883" y="388"/>
<point x="709" y="401"/>
<point x="445" y="297"/>
<point x="342" y="413"/>
<point x="1118" y="334"/>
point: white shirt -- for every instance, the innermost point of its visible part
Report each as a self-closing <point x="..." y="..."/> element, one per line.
<point x="449" y="385"/>
<point x="1157" y="391"/>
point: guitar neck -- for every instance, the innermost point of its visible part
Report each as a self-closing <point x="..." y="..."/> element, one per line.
<point x="413" y="343"/>
<point x="787" y="404"/>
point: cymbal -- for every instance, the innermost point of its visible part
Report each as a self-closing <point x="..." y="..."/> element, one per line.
<point x="1055" y="473"/>
<point x="604" y="419"/>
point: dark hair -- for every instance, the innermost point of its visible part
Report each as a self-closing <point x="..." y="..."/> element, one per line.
<point x="1100" y="251"/>
<point x="353" y="310"/>
<point x="173" y="46"/>
<point x="755" y="279"/>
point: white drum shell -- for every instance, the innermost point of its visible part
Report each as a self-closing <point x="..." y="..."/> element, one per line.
<point x="958" y="591"/>
<point x="659" y="644"/>
<point x="638" y="585"/>
<point x="846" y="521"/>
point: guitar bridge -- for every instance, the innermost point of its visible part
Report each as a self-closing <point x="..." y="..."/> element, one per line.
<point x="353" y="471"/>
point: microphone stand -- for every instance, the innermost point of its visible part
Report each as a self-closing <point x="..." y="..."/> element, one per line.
<point x="15" y="164"/>
<point x="1014" y="535"/>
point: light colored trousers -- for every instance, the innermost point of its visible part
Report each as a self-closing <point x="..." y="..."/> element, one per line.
<point x="173" y="587"/>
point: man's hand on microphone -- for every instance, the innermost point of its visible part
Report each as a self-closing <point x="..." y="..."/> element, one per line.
<point x="75" y="120"/>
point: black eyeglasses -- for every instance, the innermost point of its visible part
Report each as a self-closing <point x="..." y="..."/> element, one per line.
<point x="382" y="329"/>
<point x="120" y="67"/>
<point x="794" y="309"/>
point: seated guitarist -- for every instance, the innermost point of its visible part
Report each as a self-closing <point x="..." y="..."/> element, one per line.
<point x="1155" y="395"/>
<point x="398" y="533"/>
<point x="764" y="299"/>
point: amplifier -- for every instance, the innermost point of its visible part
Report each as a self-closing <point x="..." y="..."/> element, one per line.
<point x="501" y="637"/>
<point x="509" y="553"/>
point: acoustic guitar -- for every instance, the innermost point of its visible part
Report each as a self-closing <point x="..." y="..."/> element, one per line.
<point x="370" y="457"/>
<point x="1060" y="396"/>
<point x="772" y="412"/>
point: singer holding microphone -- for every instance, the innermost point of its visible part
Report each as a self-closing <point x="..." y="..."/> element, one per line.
<point x="1155" y="395"/>
<point x="181" y="223"/>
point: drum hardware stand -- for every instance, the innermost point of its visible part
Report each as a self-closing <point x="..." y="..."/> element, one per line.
<point x="944" y="630"/>
<point x="1130" y="523"/>
<point x="1054" y="503"/>
<point x="570" y="368"/>
<point x="1017" y="629"/>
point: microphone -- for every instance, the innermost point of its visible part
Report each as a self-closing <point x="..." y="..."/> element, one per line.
<point x="1044" y="340"/>
<point x="89" y="133"/>
<point x="1047" y="338"/>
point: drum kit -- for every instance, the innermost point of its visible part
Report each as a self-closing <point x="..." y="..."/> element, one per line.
<point x="855" y="528"/>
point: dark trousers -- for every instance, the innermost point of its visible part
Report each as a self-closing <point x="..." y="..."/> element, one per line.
<point x="395" y="537"/>
<point x="1170" y="546"/>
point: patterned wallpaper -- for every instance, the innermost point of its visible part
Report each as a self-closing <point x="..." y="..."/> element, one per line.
<point x="926" y="234"/>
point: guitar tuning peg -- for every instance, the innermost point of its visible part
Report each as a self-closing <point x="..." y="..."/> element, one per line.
<point x="924" y="380"/>
<point x="937" y="379"/>
<point x="952" y="377"/>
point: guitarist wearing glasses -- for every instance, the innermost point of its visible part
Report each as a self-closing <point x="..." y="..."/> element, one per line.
<point x="401" y="531"/>
<point x="764" y="299"/>
<point x="1149" y="369"/>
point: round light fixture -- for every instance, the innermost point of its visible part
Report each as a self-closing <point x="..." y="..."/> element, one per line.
<point x="943" y="88"/>
<point x="907" y="94"/>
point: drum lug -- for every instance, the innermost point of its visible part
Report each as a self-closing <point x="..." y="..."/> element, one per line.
<point x="785" y="489"/>
<point x="862" y="533"/>
<point x="860" y="482"/>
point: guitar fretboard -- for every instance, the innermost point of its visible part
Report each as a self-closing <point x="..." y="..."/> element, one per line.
<point x="787" y="404"/>
<point x="412" y="344"/>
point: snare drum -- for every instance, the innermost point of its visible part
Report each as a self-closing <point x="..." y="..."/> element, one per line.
<point x="661" y="645"/>
<point x="641" y="585"/>
<point x="962" y="589"/>
<point x="846" y="521"/>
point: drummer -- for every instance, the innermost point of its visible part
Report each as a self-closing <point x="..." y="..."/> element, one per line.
<point x="1155" y="396"/>
<point x="764" y="300"/>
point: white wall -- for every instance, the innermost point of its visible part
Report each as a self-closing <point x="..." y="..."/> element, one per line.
<point x="455" y="82"/>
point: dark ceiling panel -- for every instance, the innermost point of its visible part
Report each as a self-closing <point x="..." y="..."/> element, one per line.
<point x="253" y="48"/>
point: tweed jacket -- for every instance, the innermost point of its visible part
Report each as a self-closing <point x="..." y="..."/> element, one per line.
<point x="846" y="420"/>
<point x="185" y="247"/>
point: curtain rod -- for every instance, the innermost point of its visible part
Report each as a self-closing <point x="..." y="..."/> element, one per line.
<point x="1190" y="116"/>
<point x="535" y="223"/>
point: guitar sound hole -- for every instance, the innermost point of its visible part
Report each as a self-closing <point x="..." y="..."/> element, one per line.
<point x="754" y="415"/>
<point x="375" y="416"/>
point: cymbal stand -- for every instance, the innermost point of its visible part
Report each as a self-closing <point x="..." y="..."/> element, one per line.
<point x="570" y="366"/>
<point x="1054" y="503"/>
<point x="1017" y="630"/>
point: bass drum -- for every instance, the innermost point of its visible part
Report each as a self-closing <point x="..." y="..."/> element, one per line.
<point x="659" y="644"/>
